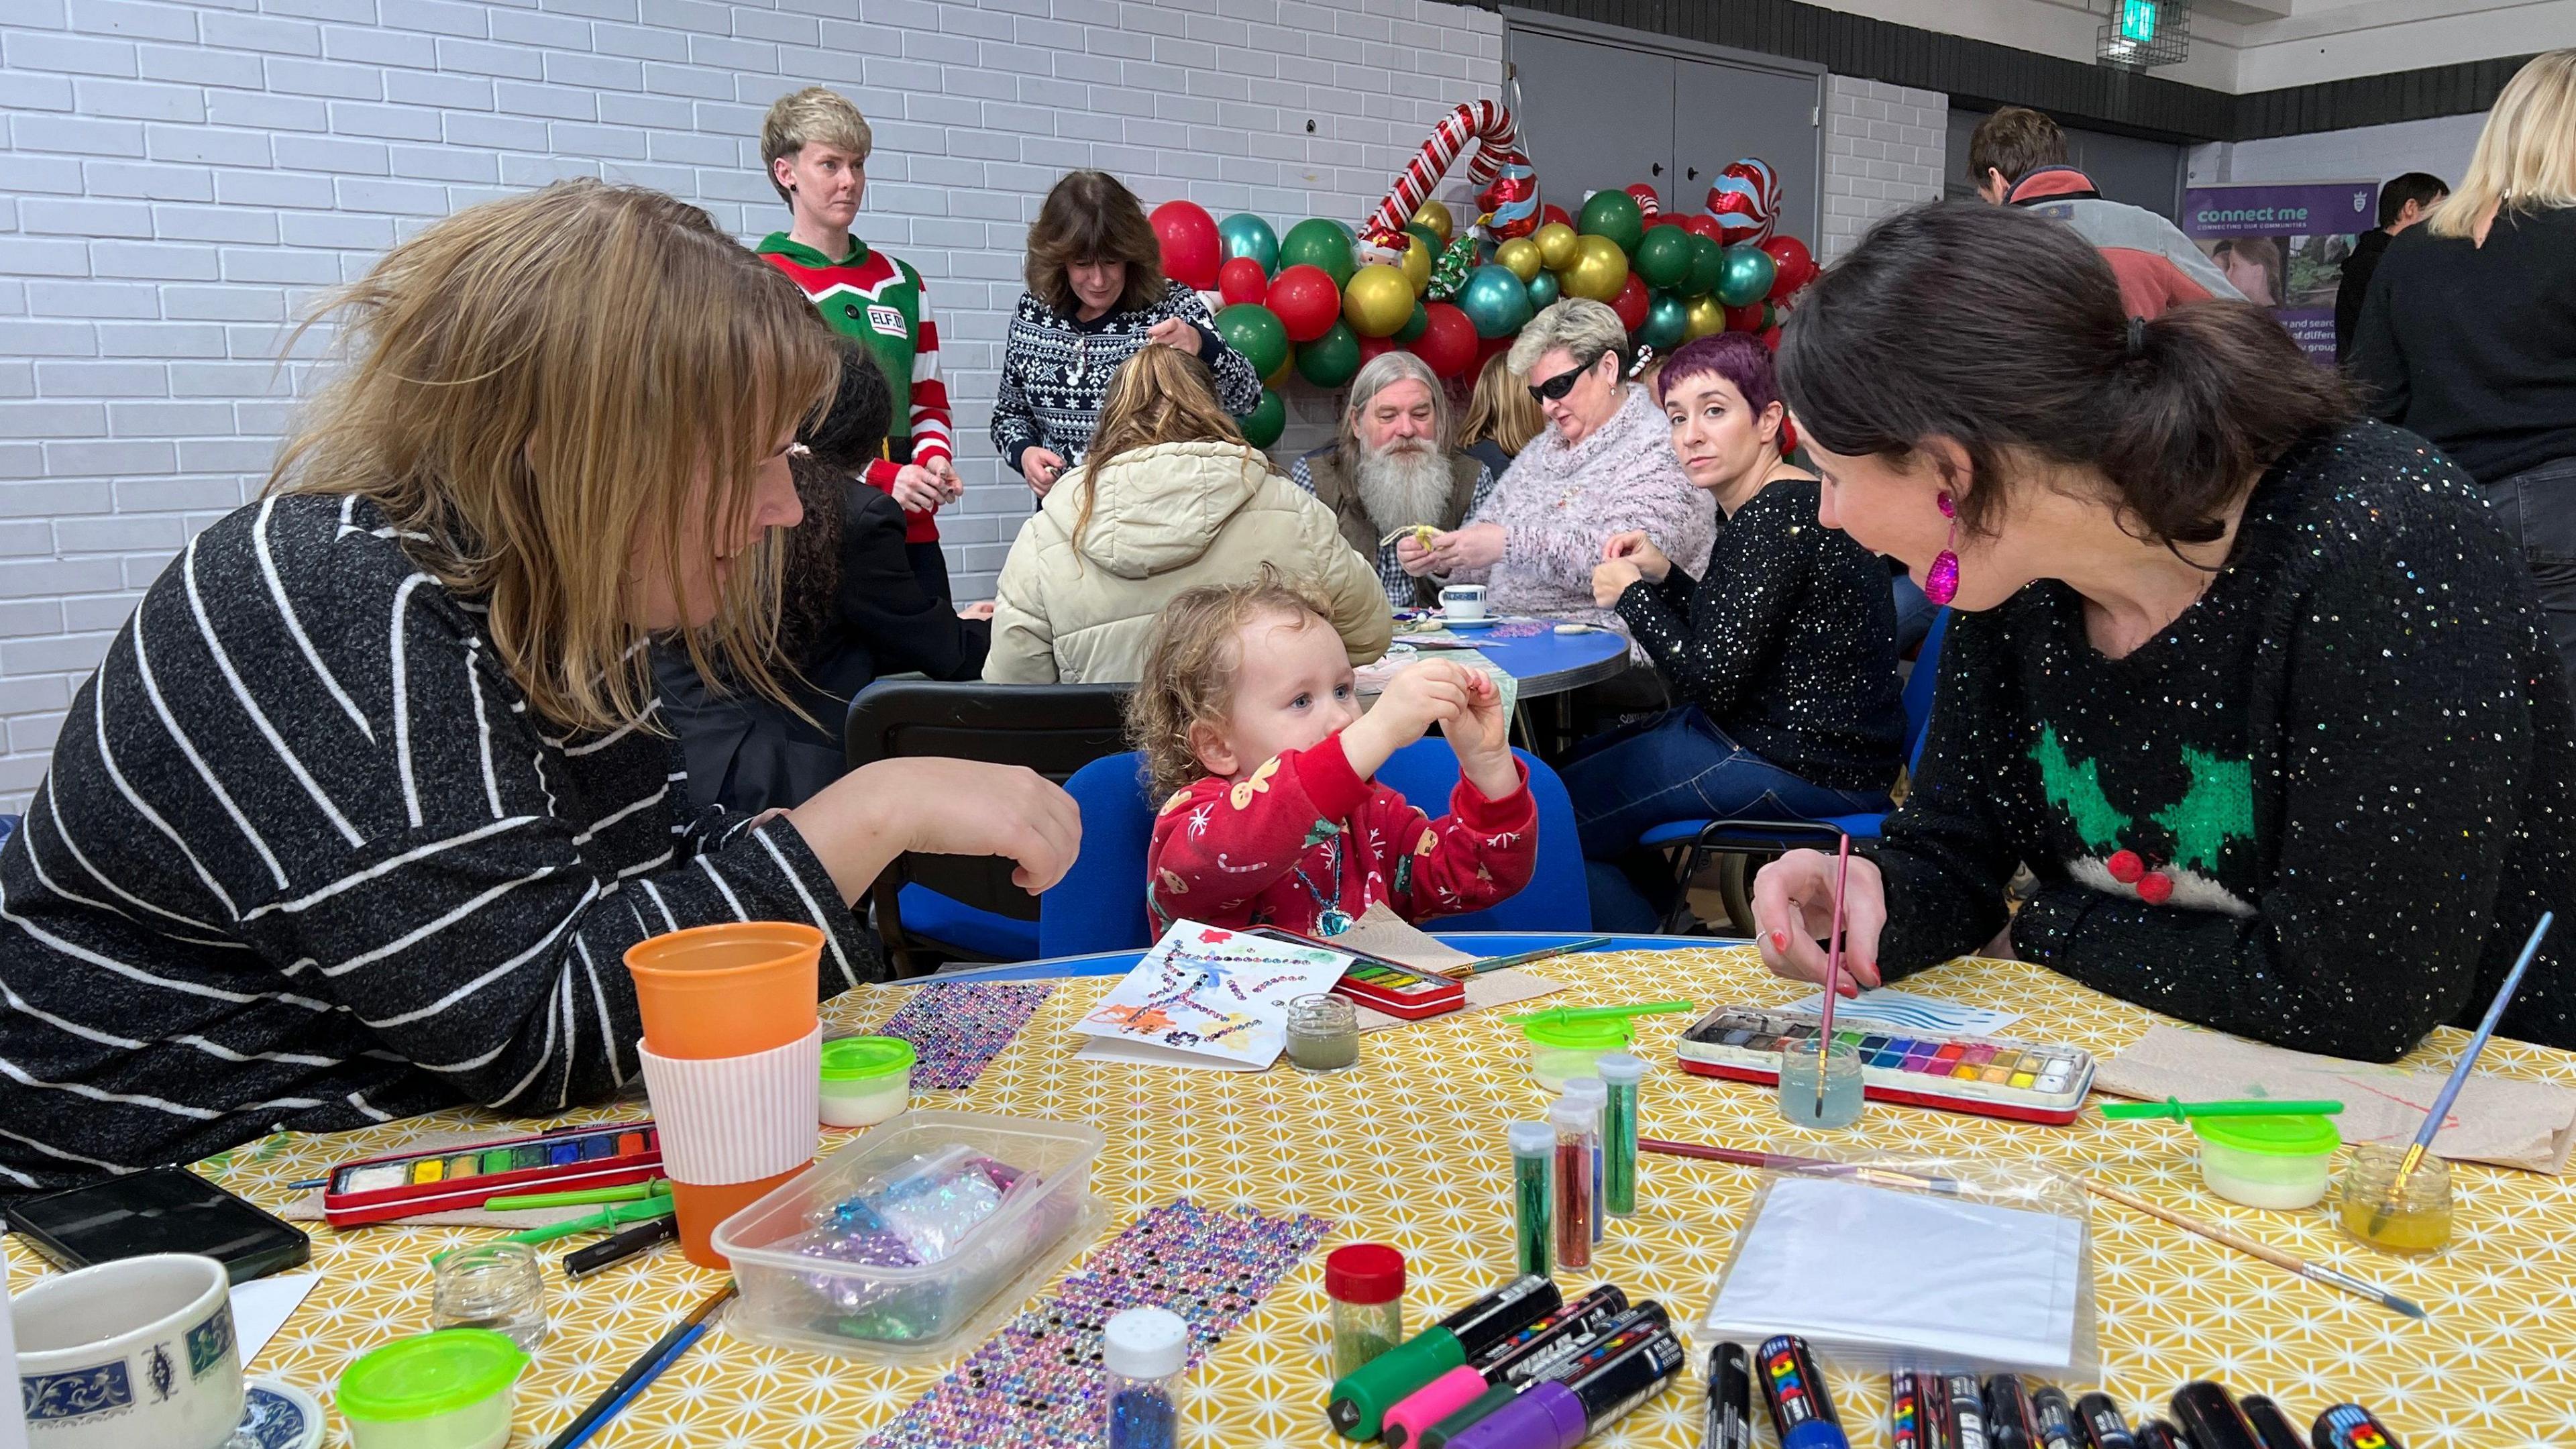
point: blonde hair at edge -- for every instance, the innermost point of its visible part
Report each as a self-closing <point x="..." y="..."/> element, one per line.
<point x="1380" y="373"/>
<point x="2526" y="156"/>
<point x="1160" y="395"/>
<point x="1578" y="324"/>
<point x="1189" y="675"/>
<point x="520" y="437"/>
<point x="1501" y="409"/>
<point x="803" y="118"/>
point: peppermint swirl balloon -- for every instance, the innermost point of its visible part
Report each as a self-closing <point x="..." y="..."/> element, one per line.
<point x="1745" y="200"/>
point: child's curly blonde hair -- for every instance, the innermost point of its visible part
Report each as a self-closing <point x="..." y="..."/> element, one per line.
<point x="1190" y="670"/>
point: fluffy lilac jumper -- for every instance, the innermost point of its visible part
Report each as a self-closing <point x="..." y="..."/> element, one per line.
<point x="1559" y="504"/>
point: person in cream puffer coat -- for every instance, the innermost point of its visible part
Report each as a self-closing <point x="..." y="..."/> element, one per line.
<point x="1171" y="497"/>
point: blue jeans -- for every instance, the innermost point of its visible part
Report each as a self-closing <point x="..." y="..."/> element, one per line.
<point x="1678" y="766"/>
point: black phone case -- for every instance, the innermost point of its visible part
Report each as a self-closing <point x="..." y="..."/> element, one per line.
<point x="54" y="1226"/>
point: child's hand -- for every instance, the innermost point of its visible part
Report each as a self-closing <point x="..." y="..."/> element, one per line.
<point x="1429" y="693"/>
<point x="1482" y="736"/>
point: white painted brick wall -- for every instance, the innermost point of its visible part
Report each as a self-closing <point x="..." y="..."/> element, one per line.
<point x="178" y="180"/>
<point x="1885" y="150"/>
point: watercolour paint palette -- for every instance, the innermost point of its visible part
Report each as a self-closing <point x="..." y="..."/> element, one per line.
<point x="461" y="1176"/>
<point x="1991" y="1077"/>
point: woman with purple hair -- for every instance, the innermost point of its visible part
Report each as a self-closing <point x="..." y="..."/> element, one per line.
<point x="1783" y="652"/>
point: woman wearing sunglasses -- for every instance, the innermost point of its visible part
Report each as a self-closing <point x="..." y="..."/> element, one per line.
<point x="1604" y="467"/>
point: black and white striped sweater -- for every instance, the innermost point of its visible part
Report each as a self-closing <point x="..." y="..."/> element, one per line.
<point x="304" y="858"/>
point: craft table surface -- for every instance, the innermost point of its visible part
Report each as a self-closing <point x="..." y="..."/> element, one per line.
<point x="1407" y="1148"/>
<point x="1547" y="662"/>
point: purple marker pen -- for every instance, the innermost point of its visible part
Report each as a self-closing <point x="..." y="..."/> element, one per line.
<point x="1553" y="1415"/>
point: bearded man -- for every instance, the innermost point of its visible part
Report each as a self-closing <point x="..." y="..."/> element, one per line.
<point x="1392" y="469"/>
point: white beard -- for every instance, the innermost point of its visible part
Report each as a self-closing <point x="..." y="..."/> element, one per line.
<point x="1401" y="488"/>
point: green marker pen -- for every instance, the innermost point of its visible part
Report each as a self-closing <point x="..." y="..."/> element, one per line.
<point x="1360" y="1399"/>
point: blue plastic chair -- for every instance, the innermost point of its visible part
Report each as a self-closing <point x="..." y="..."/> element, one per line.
<point x="1701" y="839"/>
<point x="1100" y="903"/>
<point x="8" y="827"/>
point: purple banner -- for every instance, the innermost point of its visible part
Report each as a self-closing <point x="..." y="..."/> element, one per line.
<point x="2284" y="246"/>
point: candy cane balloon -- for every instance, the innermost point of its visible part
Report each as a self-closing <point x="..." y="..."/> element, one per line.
<point x="1745" y="200"/>
<point x="1498" y="165"/>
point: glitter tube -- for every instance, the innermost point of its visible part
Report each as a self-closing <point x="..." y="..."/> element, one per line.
<point x="1533" y="1144"/>
<point x="1620" y="1073"/>
<point x="1574" y="1205"/>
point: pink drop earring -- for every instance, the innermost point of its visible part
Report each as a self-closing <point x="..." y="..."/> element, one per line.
<point x="1941" y="583"/>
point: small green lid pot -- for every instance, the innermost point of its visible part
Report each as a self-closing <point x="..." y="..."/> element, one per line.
<point x="430" y="1374"/>
<point x="866" y="1058"/>
<point x="1608" y="1034"/>
<point x="2304" y="1136"/>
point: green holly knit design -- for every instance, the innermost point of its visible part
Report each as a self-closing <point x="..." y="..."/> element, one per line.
<point x="2077" y="790"/>
<point x="2218" y="808"/>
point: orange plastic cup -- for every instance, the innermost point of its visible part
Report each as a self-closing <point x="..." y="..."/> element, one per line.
<point x="727" y="990"/>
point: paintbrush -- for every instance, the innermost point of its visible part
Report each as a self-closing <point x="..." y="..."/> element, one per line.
<point x="1522" y="958"/>
<point x="640" y="1374"/>
<point x="2313" y="1272"/>
<point x="2459" y="1078"/>
<point x="1803" y="1166"/>
<point x="1833" y="973"/>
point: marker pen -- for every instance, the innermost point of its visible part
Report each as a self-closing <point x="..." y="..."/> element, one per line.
<point x="2350" y="1426"/>
<point x="1568" y="1357"/>
<point x="1553" y="1415"/>
<point x="1967" y="1411"/>
<point x="2097" y="1418"/>
<point x="1932" y="1395"/>
<point x="1802" y="1413"/>
<point x="2160" y="1434"/>
<point x="1730" y="1399"/>
<point x="2010" y="1421"/>
<point x="1359" y="1401"/>
<point x="2271" y="1426"/>
<point x="1904" y="1411"/>
<point x="1563" y="1329"/>
<point x="2210" y="1419"/>
<point x="2054" y="1416"/>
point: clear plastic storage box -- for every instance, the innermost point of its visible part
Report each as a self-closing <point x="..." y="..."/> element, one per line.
<point x="895" y="1242"/>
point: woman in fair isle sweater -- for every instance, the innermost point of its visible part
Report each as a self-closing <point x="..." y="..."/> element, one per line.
<point x="1605" y="466"/>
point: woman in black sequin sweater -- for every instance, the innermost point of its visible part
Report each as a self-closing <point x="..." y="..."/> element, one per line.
<point x="2256" y="690"/>
<point x="1782" y="652"/>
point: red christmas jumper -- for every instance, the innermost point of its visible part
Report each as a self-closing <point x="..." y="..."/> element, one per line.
<point x="1305" y="834"/>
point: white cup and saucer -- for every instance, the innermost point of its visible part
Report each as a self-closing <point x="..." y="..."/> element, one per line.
<point x="1462" y="606"/>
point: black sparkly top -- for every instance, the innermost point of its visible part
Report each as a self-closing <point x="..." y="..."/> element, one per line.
<point x="1788" y="643"/>
<point x="2345" y="773"/>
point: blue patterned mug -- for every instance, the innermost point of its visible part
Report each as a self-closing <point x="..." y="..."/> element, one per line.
<point x="135" y="1352"/>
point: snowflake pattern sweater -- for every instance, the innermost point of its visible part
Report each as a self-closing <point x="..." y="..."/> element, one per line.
<point x="1056" y="371"/>
<point x="2322" y="808"/>
<point x="880" y="301"/>
<point x="1304" y="835"/>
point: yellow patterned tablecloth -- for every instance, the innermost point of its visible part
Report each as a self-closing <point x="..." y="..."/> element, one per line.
<point x="1407" y="1149"/>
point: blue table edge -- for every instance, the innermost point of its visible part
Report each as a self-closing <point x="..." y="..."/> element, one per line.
<point x="1481" y="943"/>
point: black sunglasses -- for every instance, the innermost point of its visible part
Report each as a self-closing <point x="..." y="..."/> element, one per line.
<point x="1555" y="388"/>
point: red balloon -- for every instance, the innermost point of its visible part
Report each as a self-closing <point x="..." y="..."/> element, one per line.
<point x="1307" y="302"/>
<point x="1242" y="280"/>
<point x="1487" y="347"/>
<point x="1669" y="218"/>
<point x="1371" y="348"/>
<point x="1647" y="200"/>
<point x="1554" y="212"/>
<point x="1747" y="318"/>
<point x="1793" y="265"/>
<point x="1771" y="338"/>
<point x="1448" y="340"/>
<point x="1190" y="246"/>
<point x="1630" y="304"/>
<point x="1702" y="224"/>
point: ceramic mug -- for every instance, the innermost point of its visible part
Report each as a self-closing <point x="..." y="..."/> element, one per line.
<point x="1463" y="601"/>
<point x="135" y="1352"/>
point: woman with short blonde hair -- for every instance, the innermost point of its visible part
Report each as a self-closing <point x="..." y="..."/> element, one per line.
<point x="367" y="801"/>
<point x="1097" y="296"/>
<point x="2468" y="330"/>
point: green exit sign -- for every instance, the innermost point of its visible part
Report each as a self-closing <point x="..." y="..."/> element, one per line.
<point x="2138" y="21"/>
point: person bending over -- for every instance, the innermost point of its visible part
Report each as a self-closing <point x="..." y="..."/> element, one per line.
<point x="1251" y="729"/>
<point x="1783" y="650"/>
<point x="367" y="801"/>
<point x="2253" y="687"/>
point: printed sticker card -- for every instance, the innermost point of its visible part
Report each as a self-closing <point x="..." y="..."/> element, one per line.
<point x="1208" y="997"/>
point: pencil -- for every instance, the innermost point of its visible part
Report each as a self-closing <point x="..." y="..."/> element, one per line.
<point x="640" y="1374"/>
<point x="2313" y="1272"/>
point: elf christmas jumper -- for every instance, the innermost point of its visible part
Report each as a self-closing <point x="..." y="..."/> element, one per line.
<point x="880" y="301"/>
<point x="1305" y="844"/>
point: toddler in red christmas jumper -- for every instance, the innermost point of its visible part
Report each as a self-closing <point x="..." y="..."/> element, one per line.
<point x="1250" y="721"/>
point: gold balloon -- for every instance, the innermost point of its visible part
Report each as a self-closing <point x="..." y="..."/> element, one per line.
<point x="1557" y="245"/>
<point x="1521" y="255"/>
<point x="1706" y="315"/>
<point x="1598" y="271"/>
<point x="1435" y="215"/>
<point x="1377" y="301"/>
<point x="1417" y="263"/>
<point x="1287" y="368"/>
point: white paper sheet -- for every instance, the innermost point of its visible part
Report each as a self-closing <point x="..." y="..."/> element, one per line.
<point x="1904" y="1009"/>
<point x="1207" y="997"/>
<point x="1869" y="1270"/>
<point x="262" y="1306"/>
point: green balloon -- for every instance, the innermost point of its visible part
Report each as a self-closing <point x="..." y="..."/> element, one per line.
<point x="1316" y="242"/>
<point x="1667" y="320"/>
<point x="1544" y="289"/>
<point x="1257" y="333"/>
<point x="1246" y="235"/>
<point x="1332" y="359"/>
<point x="1708" y="266"/>
<point x="1415" y="325"/>
<point x="1747" y="278"/>
<point x="1429" y="237"/>
<point x="1616" y="215"/>
<point x="1267" y="420"/>
<point x="1664" y="257"/>
<point x="1495" y="300"/>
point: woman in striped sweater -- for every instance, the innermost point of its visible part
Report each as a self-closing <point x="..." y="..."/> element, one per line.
<point x="368" y="799"/>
